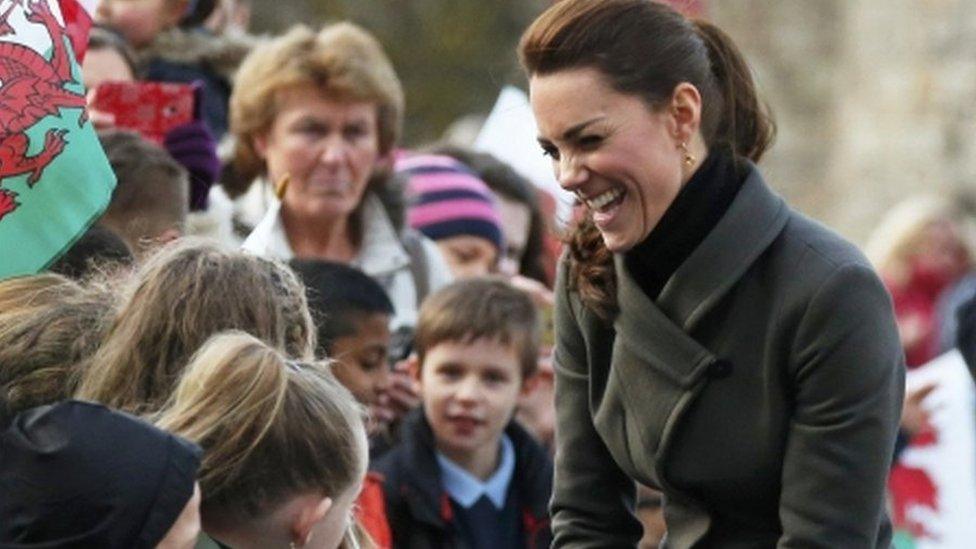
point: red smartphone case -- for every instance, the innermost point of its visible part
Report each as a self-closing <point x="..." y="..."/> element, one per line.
<point x="150" y="108"/>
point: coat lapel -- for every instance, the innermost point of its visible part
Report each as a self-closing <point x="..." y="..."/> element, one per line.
<point x="650" y="335"/>
<point x="755" y="218"/>
<point x="657" y="367"/>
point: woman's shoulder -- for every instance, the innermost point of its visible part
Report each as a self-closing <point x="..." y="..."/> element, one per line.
<point x="816" y="250"/>
<point x="819" y="273"/>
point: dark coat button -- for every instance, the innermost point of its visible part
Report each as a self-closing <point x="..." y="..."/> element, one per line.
<point x="719" y="369"/>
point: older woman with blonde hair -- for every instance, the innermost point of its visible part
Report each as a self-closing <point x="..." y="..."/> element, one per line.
<point x="318" y="116"/>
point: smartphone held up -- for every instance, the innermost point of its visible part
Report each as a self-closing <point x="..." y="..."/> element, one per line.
<point x="151" y="109"/>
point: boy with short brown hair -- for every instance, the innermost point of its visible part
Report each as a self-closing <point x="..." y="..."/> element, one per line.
<point x="464" y="473"/>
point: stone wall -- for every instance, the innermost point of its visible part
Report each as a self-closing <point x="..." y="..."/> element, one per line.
<point x="875" y="99"/>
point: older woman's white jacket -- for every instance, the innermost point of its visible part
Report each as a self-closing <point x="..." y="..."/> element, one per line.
<point x="382" y="256"/>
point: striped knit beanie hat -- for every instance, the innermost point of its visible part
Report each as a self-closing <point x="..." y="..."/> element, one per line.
<point x="447" y="199"/>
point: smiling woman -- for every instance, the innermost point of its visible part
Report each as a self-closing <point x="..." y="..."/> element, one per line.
<point x="318" y="115"/>
<point x="695" y="311"/>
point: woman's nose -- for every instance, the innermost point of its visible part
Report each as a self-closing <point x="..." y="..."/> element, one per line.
<point x="570" y="173"/>
<point x="333" y="150"/>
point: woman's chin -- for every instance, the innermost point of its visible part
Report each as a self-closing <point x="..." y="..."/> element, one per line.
<point x="616" y="242"/>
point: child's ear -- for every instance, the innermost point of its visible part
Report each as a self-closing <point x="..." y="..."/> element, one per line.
<point x="413" y="366"/>
<point x="310" y="513"/>
<point x="529" y="384"/>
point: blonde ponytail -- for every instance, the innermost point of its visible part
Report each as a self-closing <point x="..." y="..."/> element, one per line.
<point x="232" y="391"/>
<point x="271" y="428"/>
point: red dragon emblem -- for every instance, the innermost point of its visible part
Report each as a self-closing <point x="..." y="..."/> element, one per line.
<point x="31" y="88"/>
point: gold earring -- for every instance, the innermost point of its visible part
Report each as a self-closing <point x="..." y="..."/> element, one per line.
<point x="282" y="186"/>
<point x="689" y="159"/>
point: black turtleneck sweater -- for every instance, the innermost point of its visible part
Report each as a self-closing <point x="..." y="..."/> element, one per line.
<point x="696" y="210"/>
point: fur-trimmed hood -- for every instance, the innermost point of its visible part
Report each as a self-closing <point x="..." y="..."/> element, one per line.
<point x="220" y="53"/>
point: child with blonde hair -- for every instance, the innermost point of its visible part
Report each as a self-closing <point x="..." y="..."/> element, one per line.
<point x="49" y="325"/>
<point x="284" y="445"/>
<point x="180" y="297"/>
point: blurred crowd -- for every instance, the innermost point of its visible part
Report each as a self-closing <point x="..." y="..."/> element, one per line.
<point x="289" y="330"/>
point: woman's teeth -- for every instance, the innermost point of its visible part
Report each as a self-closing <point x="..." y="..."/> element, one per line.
<point x="602" y="200"/>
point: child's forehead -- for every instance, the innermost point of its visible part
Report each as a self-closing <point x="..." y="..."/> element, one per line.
<point x="368" y="320"/>
<point x="476" y="349"/>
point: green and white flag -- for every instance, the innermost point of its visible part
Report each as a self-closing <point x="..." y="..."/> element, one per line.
<point x="54" y="178"/>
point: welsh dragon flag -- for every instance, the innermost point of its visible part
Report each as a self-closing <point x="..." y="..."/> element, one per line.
<point x="54" y="178"/>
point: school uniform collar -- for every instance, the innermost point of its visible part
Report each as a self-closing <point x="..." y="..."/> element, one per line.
<point x="466" y="489"/>
<point x="423" y="473"/>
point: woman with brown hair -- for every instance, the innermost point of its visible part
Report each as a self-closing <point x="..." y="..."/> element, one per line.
<point x="318" y="115"/>
<point x="173" y="303"/>
<point x="710" y="342"/>
<point x="284" y="445"/>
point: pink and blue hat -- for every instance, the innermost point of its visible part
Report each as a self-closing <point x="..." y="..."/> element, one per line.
<point x="447" y="199"/>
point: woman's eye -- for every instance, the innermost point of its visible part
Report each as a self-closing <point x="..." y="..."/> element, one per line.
<point x="551" y="152"/>
<point x="312" y="129"/>
<point x="354" y="132"/>
<point x="590" y="141"/>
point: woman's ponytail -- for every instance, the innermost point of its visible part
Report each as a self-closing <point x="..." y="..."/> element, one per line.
<point x="592" y="274"/>
<point x="745" y="124"/>
<point x="270" y="428"/>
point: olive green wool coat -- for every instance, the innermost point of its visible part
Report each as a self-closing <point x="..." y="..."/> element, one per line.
<point x="761" y="393"/>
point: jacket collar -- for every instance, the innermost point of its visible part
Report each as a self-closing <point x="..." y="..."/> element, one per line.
<point x="380" y="253"/>
<point x="753" y="221"/>
<point x="219" y="53"/>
